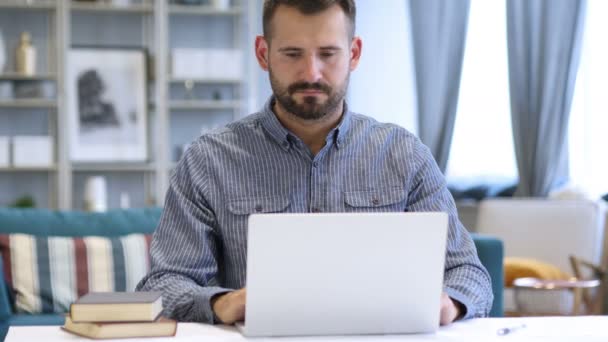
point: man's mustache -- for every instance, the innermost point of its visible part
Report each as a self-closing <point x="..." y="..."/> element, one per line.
<point x="306" y="86"/>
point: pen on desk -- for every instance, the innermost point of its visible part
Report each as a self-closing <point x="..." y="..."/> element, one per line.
<point x="508" y="330"/>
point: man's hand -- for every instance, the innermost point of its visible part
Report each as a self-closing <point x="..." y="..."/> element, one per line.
<point x="450" y="310"/>
<point x="230" y="307"/>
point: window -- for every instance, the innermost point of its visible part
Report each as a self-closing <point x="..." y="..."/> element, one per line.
<point x="588" y="131"/>
<point x="482" y="149"/>
<point x="375" y="89"/>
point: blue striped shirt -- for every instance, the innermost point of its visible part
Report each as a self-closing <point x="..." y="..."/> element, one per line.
<point x="255" y="165"/>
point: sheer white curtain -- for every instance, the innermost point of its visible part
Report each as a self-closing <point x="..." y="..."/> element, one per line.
<point x="588" y="130"/>
<point x="482" y="147"/>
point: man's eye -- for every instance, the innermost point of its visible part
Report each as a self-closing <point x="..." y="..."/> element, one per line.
<point x="292" y="55"/>
<point x="327" y="54"/>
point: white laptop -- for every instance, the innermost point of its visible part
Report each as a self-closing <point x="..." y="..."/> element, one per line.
<point x="344" y="273"/>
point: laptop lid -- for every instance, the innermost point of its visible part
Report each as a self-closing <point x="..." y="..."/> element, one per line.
<point x="344" y="273"/>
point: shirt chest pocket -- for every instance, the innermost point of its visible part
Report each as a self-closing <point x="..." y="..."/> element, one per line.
<point x="378" y="200"/>
<point x="258" y="205"/>
<point x="233" y="222"/>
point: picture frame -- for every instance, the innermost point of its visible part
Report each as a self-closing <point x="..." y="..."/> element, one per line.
<point x="107" y="104"/>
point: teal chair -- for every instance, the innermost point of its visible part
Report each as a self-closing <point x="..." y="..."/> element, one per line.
<point x="490" y="251"/>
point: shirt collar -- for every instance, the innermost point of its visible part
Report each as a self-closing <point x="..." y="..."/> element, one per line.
<point x="282" y="135"/>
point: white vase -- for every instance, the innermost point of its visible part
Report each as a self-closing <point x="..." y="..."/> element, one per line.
<point x="2" y="53"/>
<point x="95" y="194"/>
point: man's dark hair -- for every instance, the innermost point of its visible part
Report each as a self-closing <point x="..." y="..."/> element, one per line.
<point x="308" y="7"/>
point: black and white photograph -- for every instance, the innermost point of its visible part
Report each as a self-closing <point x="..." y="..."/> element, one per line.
<point x="107" y="105"/>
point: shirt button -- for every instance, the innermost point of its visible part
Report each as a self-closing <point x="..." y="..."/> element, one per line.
<point x="316" y="210"/>
<point x="258" y="208"/>
<point x="315" y="164"/>
<point x="375" y="201"/>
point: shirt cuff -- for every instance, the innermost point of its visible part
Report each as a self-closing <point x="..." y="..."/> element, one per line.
<point x="202" y="302"/>
<point x="469" y="307"/>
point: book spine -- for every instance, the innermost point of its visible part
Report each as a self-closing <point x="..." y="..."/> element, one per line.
<point x="70" y="312"/>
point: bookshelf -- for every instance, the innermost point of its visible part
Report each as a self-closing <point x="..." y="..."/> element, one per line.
<point x="174" y="116"/>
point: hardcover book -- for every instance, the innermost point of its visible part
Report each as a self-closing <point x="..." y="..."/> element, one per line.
<point x="117" y="307"/>
<point x="160" y="327"/>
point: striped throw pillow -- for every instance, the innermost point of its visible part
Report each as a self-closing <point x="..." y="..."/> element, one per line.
<point x="47" y="274"/>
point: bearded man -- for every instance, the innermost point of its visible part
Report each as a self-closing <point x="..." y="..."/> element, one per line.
<point x="300" y="154"/>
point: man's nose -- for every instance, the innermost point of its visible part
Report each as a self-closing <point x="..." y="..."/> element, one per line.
<point x="312" y="69"/>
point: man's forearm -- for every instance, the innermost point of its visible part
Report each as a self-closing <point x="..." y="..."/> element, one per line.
<point x="470" y="286"/>
<point x="183" y="299"/>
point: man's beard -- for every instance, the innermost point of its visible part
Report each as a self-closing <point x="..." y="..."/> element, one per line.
<point x="311" y="108"/>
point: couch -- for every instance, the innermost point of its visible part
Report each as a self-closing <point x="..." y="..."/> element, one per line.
<point x="113" y="223"/>
<point x="70" y="224"/>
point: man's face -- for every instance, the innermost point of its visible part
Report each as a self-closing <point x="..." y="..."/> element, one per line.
<point x="309" y="59"/>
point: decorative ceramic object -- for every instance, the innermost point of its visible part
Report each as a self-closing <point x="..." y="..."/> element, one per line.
<point x="26" y="55"/>
<point x="96" y="194"/>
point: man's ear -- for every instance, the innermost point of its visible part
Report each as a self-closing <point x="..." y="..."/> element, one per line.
<point x="261" y="52"/>
<point x="356" y="47"/>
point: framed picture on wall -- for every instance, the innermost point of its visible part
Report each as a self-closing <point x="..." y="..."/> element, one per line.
<point x="107" y="104"/>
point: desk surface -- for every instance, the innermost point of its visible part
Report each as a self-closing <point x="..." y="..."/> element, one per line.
<point x="579" y="329"/>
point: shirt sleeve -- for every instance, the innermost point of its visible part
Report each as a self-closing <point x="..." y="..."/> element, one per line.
<point x="465" y="279"/>
<point x="184" y="255"/>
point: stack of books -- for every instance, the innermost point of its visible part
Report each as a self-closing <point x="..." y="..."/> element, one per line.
<point x="119" y="315"/>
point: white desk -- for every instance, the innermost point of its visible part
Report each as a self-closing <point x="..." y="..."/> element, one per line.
<point x="577" y="329"/>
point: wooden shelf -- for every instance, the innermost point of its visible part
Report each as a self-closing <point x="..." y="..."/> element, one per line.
<point x="29" y="168"/>
<point x="28" y="103"/>
<point x="156" y="25"/>
<point x="206" y="80"/>
<point x="28" y="4"/>
<point x="113" y="167"/>
<point x="13" y="76"/>
<point x="202" y="104"/>
<point x="203" y="10"/>
<point x="111" y="8"/>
